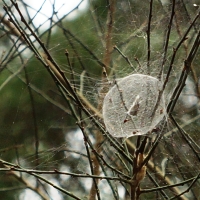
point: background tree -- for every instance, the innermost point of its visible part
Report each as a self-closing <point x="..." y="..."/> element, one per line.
<point x="53" y="83"/>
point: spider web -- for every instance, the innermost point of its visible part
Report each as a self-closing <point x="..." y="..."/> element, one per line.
<point x="176" y="157"/>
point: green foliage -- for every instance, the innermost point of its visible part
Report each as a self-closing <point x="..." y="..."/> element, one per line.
<point x="40" y="113"/>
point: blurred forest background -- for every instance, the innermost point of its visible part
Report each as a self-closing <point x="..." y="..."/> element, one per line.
<point x="53" y="79"/>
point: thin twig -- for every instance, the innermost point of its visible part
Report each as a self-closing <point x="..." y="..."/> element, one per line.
<point x="148" y="36"/>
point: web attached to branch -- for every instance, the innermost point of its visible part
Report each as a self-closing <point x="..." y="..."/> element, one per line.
<point x="131" y="107"/>
<point x="144" y="43"/>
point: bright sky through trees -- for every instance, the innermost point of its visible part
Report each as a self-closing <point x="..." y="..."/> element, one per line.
<point x="62" y="7"/>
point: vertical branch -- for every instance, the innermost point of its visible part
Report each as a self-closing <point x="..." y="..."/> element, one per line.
<point x="34" y="119"/>
<point x="92" y="167"/>
<point x="72" y="72"/>
<point x="167" y="39"/>
<point x="138" y="171"/>
<point x="148" y="36"/>
<point x="138" y="176"/>
<point x="108" y="36"/>
<point x="51" y="22"/>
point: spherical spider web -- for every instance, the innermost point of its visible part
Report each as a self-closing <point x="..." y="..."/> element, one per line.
<point x="131" y="107"/>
